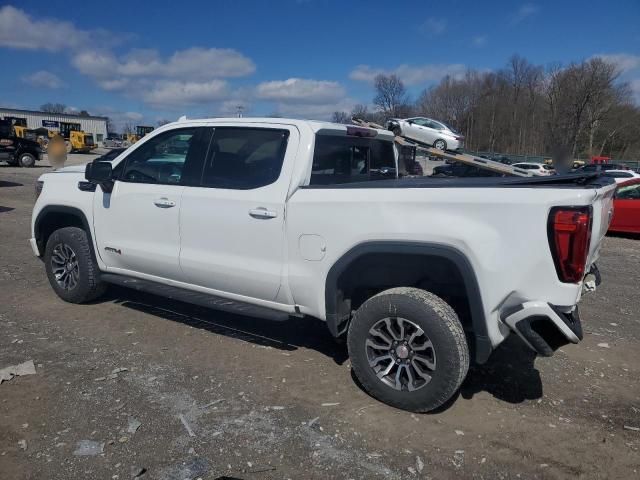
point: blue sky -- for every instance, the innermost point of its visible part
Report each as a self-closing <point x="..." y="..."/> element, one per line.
<point x="143" y="61"/>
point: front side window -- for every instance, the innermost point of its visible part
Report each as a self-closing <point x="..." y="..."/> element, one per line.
<point x="348" y="159"/>
<point x="162" y="159"/>
<point x="243" y="158"/>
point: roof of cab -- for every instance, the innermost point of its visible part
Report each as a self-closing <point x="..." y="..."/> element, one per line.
<point x="315" y="125"/>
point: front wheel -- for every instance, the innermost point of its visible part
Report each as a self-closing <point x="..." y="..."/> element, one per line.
<point x="71" y="268"/>
<point x="440" y="144"/>
<point x="408" y="349"/>
<point x="27" y="160"/>
<point x="397" y="131"/>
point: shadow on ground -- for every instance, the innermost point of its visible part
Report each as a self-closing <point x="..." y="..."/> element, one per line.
<point x="509" y="374"/>
<point x="4" y="183"/>
<point x="288" y="335"/>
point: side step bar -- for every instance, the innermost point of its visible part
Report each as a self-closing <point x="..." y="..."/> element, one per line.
<point x="196" y="298"/>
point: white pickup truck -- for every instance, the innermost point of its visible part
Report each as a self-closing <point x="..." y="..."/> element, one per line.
<point x="274" y="218"/>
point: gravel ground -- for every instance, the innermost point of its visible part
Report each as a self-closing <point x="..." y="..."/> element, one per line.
<point x="138" y="385"/>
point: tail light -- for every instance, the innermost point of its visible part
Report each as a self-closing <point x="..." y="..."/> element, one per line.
<point x="569" y="232"/>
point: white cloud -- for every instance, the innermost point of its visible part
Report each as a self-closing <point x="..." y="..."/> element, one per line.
<point x="43" y="79"/>
<point x="300" y="90"/>
<point x="479" y="41"/>
<point x="410" y="74"/>
<point x="19" y="30"/>
<point x="179" y="93"/>
<point x="434" y="26"/>
<point x="624" y="61"/>
<point x="525" y="11"/>
<point x="190" y="64"/>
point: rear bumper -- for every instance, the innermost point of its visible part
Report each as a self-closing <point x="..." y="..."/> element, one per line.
<point x="544" y="327"/>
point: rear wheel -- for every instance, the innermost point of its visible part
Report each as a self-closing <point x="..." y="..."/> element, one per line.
<point x="440" y="144"/>
<point x="27" y="160"/>
<point x="408" y="349"/>
<point x="72" y="271"/>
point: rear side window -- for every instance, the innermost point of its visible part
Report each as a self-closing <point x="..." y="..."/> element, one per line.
<point x="618" y="174"/>
<point x="245" y="158"/>
<point x="339" y="159"/>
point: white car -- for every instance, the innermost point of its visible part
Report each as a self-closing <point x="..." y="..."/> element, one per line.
<point x="427" y="131"/>
<point x="535" y="168"/>
<point x="620" y="175"/>
<point x="276" y="218"/>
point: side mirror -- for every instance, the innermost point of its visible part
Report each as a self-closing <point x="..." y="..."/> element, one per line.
<point x="410" y="122"/>
<point x="100" y="173"/>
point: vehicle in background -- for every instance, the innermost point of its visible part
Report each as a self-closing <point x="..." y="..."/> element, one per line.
<point x="79" y="141"/>
<point x="600" y="167"/>
<point x="110" y="155"/>
<point x="141" y="131"/>
<point x="626" y="207"/>
<point x="577" y="164"/>
<point x="427" y="131"/>
<point x="17" y="151"/>
<point x="621" y="175"/>
<point x="113" y="141"/>
<point x="536" y="168"/>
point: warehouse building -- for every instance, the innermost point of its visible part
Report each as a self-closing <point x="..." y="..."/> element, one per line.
<point x="59" y="122"/>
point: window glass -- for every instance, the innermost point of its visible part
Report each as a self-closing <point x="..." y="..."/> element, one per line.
<point x="244" y="158"/>
<point x="350" y="159"/>
<point x="629" y="192"/>
<point x="421" y="121"/>
<point x="161" y="159"/>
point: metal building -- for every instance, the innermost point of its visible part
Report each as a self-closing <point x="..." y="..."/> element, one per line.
<point x="96" y="126"/>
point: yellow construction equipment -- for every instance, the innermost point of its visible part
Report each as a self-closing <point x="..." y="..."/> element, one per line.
<point x="141" y="131"/>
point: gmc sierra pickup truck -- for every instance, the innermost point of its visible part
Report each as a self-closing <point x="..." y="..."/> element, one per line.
<point x="276" y="218"/>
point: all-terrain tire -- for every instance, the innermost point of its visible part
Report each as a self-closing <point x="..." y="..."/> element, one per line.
<point x="440" y="325"/>
<point x="88" y="285"/>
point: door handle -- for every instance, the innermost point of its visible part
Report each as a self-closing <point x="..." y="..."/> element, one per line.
<point x="262" y="213"/>
<point x="164" y="203"/>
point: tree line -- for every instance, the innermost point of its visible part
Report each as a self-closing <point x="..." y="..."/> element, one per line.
<point x="575" y="111"/>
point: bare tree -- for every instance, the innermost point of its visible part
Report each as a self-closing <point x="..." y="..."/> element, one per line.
<point x="84" y="113"/>
<point x="340" y="117"/>
<point x="111" y="128"/>
<point x="391" y="96"/>
<point x="53" y="107"/>
<point x="162" y="121"/>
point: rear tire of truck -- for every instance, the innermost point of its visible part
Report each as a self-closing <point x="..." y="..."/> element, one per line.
<point x="408" y="349"/>
<point x="27" y="160"/>
<point x="71" y="267"/>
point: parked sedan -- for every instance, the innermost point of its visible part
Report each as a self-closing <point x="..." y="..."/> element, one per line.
<point x="626" y="207"/>
<point x="536" y="168"/>
<point x="621" y="176"/>
<point x="427" y="131"/>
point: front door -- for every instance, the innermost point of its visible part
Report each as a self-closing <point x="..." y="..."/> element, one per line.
<point x="232" y="226"/>
<point x="137" y="224"/>
<point x="626" y="215"/>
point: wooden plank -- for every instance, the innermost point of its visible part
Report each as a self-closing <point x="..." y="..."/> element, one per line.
<point x="467" y="159"/>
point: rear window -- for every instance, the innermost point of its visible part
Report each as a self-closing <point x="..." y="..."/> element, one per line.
<point x="338" y="159"/>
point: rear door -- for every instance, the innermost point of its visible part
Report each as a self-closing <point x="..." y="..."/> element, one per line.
<point x="232" y="224"/>
<point x="137" y="224"/>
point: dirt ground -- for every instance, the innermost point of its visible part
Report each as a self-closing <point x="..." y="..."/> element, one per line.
<point x="222" y="396"/>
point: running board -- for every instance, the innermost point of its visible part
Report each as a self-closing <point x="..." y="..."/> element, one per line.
<point x="196" y="298"/>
